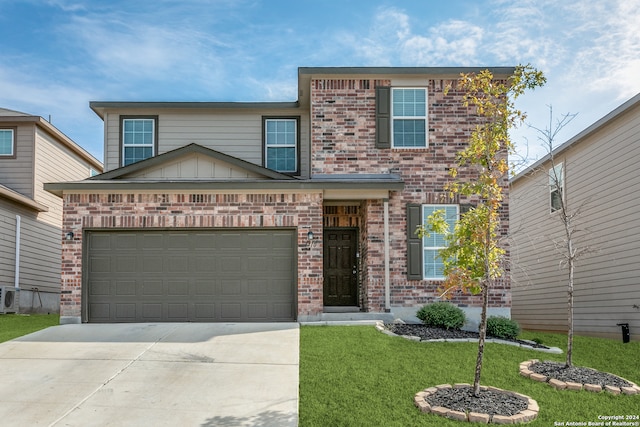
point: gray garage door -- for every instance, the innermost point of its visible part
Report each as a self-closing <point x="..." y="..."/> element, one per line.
<point x="190" y="276"/>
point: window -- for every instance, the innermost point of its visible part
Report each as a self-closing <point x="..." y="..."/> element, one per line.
<point x="138" y="139"/>
<point x="409" y="117"/>
<point x="433" y="267"/>
<point x="281" y="144"/>
<point x="556" y="187"/>
<point x="7" y="142"/>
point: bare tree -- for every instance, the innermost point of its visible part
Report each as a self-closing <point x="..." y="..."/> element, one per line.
<point x="568" y="247"/>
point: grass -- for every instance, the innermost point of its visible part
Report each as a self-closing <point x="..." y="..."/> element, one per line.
<point x="357" y="376"/>
<point x="16" y="325"/>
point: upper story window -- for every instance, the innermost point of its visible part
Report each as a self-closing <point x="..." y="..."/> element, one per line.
<point x="7" y="142"/>
<point x="556" y="187"/>
<point x="139" y="138"/>
<point x="433" y="267"/>
<point x="409" y="117"/>
<point x="281" y="148"/>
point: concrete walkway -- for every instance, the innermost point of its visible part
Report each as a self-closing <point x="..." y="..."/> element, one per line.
<point x="165" y="374"/>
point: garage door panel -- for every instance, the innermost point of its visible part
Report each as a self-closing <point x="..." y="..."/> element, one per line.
<point x="99" y="264"/>
<point x="153" y="287"/>
<point x="258" y="311"/>
<point x="230" y="241"/>
<point x="125" y="241"/>
<point x="100" y="311"/>
<point x="230" y="311"/>
<point x="205" y="287"/>
<point x="152" y="264"/>
<point x="100" y="242"/>
<point x="178" y="288"/>
<point x="258" y="263"/>
<point x="151" y="241"/>
<point x="125" y="287"/>
<point x="152" y="312"/>
<point x="206" y="276"/>
<point x="203" y="264"/>
<point x="178" y="264"/>
<point x="204" y="312"/>
<point x="125" y="311"/>
<point x="126" y="264"/>
<point x="178" y="312"/>
<point x="258" y="287"/>
<point x="100" y="287"/>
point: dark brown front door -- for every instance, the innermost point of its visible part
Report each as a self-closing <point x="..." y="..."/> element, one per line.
<point x="340" y="267"/>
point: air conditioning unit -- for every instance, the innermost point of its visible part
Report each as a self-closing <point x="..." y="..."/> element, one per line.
<point x="8" y="299"/>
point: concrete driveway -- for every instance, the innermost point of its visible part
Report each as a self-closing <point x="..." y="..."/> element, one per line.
<point x="164" y="374"/>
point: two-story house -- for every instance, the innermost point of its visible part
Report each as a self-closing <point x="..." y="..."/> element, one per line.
<point x="270" y="211"/>
<point x="599" y="183"/>
<point x="32" y="152"/>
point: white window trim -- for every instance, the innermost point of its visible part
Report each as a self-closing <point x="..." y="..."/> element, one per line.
<point x="552" y="188"/>
<point x="153" y="137"/>
<point x="426" y="114"/>
<point x="435" y="248"/>
<point x="13" y="143"/>
<point x="294" y="145"/>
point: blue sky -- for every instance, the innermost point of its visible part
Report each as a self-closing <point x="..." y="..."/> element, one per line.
<point x="58" y="55"/>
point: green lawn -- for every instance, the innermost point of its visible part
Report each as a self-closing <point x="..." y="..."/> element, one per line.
<point x="16" y="325"/>
<point x="357" y="376"/>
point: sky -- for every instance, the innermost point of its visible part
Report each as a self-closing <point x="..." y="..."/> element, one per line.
<point x="58" y="55"/>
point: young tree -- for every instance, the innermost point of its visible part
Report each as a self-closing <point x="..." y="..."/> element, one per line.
<point x="473" y="258"/>
<point x="567" y="246"/>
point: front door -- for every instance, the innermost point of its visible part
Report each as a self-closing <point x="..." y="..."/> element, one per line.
<point x="340" y="267"/>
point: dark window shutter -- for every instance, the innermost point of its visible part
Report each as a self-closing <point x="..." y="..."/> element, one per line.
<point x="383" y="117"/>
<point x="414" y="242"/>
<point x="465" y="207"/>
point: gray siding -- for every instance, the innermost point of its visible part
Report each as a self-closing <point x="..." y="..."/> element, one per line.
<point x="40" y="250"/>
<point x="237" y="134"/>
<point x="602" y="180"/>
<point x="41" y="158"/>
<point x="17" y="173"/>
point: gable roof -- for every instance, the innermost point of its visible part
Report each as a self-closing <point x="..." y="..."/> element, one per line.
<point x="599" y="124"/>
<point x="11" y="116"/>
<point x="14" y="196"/>
<point x="129" y="171"/>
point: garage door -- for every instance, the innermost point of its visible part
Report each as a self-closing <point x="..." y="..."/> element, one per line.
<point x="190" y="276"/>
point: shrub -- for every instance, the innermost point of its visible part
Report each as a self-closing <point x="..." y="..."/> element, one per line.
<point x="501" y="327"/>
<point x="442" y="315"/>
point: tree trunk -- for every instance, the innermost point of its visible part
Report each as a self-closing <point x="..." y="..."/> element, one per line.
<point x="570" y="316"/>
<point x="483" y="333"/>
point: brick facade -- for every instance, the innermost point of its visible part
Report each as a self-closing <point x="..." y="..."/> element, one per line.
<point x="302" y="211"/>
<point x="343" y="141"/>
<point x="342" y="125"/>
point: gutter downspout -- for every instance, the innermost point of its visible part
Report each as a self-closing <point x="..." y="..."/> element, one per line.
<point x="16" y="282"/>
<point x="387" y="274"/>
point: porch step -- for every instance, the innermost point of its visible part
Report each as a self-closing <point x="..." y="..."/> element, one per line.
<point x="349" y="319"/>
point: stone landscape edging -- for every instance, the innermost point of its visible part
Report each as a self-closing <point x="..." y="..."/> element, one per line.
<point x="524" y="416"/>
<point x="554" y="350"/>
<point x="562" y="385"/>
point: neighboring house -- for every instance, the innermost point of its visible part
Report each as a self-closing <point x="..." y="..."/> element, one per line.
<point x="271" y="211"/>
<point x="32" y="152"/>
<point x="601" y="178"/>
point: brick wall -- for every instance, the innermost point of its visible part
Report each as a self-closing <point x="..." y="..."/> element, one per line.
<point x="343" y="141"/>
<point x="111" y="211"/>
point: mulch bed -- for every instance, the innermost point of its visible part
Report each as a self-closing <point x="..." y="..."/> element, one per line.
<point x="426" y="333"/>
<point x="494" y="402"/>
<point x="490" y="402"/>
<point x="577" y="374"/>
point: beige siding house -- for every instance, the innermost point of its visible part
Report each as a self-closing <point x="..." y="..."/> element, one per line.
<point x="602" y="181"/>
<point x="32" y="153"/>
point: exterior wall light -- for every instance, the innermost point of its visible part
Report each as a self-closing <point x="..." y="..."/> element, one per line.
<point x="69" y="235"/>
<point x="310" y="235"/>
